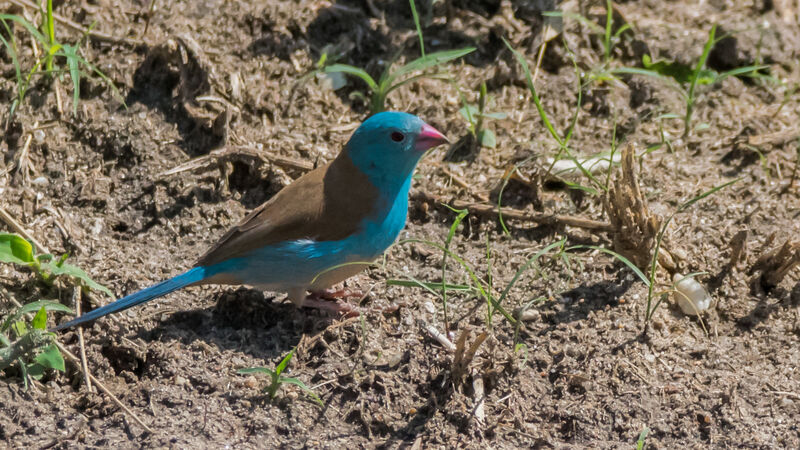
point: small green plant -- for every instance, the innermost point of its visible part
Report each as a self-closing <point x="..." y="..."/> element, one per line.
<point x="45" y="35"/>
<point x="642" y="438"/>
<point x="33" y="349"/>
<point x="15" y="249"/>
<point x="393" y="79"/>
<point x="277" y="379"/>
<point x="687" y="78"/>
<point x="476" y="115"/>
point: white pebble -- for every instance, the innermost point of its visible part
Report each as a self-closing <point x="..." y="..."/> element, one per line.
<point x="690" y="295"/>
<point x="39" y="136"/>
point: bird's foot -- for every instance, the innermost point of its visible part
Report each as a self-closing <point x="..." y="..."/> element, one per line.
<point x="335" y="295"/>
<point x="346" y="309"/>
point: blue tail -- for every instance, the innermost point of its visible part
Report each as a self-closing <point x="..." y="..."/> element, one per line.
<point x="145" y="295"/>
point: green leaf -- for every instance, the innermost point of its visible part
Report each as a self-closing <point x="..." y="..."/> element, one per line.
<point x="73" y="61"/>
<point x="682" y="73"/>
<point x="428" y="61"/>
<point x="355" y="71"/>
<point x="19" y="328"/>
<point x="621" y="258"/>
<point x="15" y="249"/>
<point x="487" y="138"/>
<point x="28" y="26"/>
<point x="284" y="362"/>
<point x="597" y="29"/>
<point x="39" y="321"/>
<point x="61" y="268"/>
<point x="468" y="111"/>
<point x="47" y="305"/>
<point x="302" y="386"/>
<point x="51" y="358"/>
<point x="495" y="115"/>
<point x="250" y="370"/>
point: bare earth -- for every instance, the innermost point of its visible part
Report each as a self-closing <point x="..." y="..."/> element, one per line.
<point x="96" y="185"/>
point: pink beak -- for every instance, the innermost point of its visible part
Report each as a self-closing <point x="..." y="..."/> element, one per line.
<point x="429" y="137"/>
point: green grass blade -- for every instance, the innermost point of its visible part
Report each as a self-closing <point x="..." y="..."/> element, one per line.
<point x="705" y="194"/>
<point x="529" y="79"/>
<point x="75" y="74"/>
<point x="417" y="25"/>
<point x="284" y="362"/>
<point x="570" y="15"/>
<point x="616" y="255"/>
<point x="355" y="71"/>
<point x="250" y="370"/>
<point x="428" y="61"/>
<point x="302" y="386"/>
<point x="531" y="261"/>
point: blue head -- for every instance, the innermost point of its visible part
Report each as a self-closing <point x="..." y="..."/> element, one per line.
<point x="388" y="145"/>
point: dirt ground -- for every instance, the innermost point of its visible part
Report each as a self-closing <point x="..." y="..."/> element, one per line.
<point x="100" y="186"/>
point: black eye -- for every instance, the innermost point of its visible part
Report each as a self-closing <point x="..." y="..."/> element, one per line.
<point x="398" y="136"/>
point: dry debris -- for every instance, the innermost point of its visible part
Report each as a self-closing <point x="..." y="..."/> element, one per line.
<point x="635" y="227"/>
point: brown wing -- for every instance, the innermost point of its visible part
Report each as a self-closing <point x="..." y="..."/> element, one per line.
<point x="325" y="204"/>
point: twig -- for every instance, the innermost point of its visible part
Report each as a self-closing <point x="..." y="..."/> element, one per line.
<point x="479" y="397"/>
<point x="463" y="183"/>
<point x="14" y="225"/>
<point x="103" y="388"/>
<point x="76" y="299"/>
<point x="440" y="338"/>
<point x="491" y="210"/>
<point x="231" y="151"/>
<point x="94" y="35"/>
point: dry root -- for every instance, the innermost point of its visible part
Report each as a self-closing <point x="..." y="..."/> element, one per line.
<point x="776" y="263"/>
<point x="635" y="228"/>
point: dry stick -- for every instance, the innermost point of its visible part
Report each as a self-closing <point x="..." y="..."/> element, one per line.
<point x="479" y="397"/>
<point x="76" y="299"/>
<point x="491" y="210"/>
<point x="150" y="10"/>
<point x="14" y="225"/>
<point x="229" y="151"/>
<point x="542" y="47"/>
<point x="463" y="183"/>
<point x="103" y="388"/>
<point x="95" y="35"/>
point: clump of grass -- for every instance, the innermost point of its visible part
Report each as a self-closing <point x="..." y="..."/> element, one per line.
<point x="277" y="379"/>
<point x="27" y="345"/>
<point x="15" y="249"/>
<point x="75" y="64"/>
<point x="392" y="79"/>
<point x="686" y="79"/>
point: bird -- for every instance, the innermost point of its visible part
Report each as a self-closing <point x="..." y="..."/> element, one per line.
<point x="320" y="229"/>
